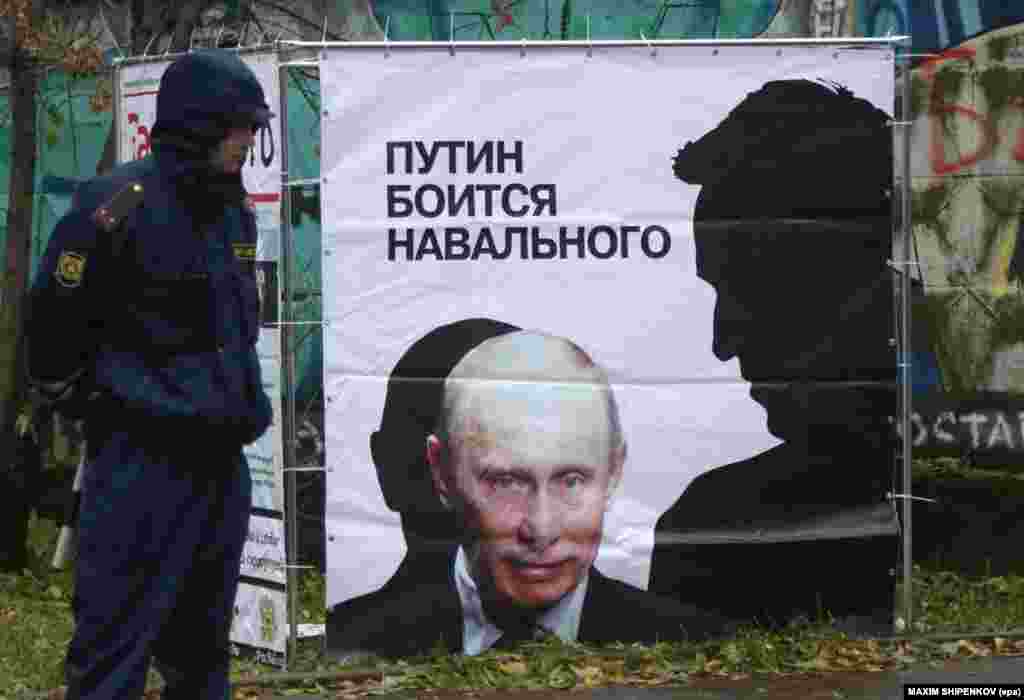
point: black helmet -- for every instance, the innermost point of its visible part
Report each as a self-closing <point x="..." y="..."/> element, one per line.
<point x="204" y="93"/>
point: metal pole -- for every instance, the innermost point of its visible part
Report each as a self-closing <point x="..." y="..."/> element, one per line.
<point x="288" y="379"/>
<point x="171" y="57"/>
<point x="905" y="347"/>
<point x="837" y="42"/>
<point x="116" y="110"/>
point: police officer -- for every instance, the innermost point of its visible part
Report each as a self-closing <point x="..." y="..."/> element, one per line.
<point x="144" y="319"/>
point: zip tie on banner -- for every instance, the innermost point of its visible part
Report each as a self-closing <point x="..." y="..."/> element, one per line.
<point x="297" y="566"/>
<point x="305" y="469"/>
<point x="893" y="122"/>
<point x="893" y="496"/>
<point x="323" y="36"/>
<point x="387" y="39"/>
<point x="145" y="51"/>
<point x="191" y="39"/>
<point x="220" y="34"/>
<point x="522" y="47"/>
<point x="590" y="42"/>
<point x="451" y="33"/>
<point x="299" y="323"/>
<point x="896" y="264"/>
<point x="654" y="50"/>
<point x="303" y="182"/>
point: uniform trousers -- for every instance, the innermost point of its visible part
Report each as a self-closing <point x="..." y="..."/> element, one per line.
<point x="161" y="530"/>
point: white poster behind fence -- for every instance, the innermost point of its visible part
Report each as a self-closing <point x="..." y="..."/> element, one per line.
<point x="577" y="140"/>
<point x="264" y="556"/>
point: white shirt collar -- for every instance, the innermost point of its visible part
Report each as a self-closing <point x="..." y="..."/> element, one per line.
<point x="479" y="634"/>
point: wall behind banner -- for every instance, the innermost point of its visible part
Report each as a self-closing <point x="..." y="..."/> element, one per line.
<point x="968" y="199"/>
<point x="434" y="20"/>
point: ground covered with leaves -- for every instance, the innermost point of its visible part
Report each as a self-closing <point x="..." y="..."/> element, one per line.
<point x="965" y="617"/>
<point x="969" y="616"/>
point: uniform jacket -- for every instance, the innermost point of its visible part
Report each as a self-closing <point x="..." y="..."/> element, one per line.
<point x="160" y="318"/>
<point x="416" y="612"/>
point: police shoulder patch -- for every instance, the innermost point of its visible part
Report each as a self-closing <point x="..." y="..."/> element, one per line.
<point x="245" y="252"/>
<point x="70" y="268"/>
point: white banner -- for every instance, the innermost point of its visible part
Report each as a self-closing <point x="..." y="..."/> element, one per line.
<point x="261" y="622"/>
<point x="535" y="189"/>
<point x="264" y="554"/>
<point x="266" y="455"/>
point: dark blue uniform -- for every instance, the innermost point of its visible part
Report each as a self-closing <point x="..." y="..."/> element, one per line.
<point x="147" y="317"/>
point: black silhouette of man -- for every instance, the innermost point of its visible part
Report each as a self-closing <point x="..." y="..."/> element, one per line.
<point x="793" y="229"/>
<point x="411" y="407"/>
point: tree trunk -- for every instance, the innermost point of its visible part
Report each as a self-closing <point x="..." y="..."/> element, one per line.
<point x="24" y="81"/>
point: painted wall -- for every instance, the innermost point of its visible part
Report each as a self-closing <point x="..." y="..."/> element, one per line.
<point x="968" y="181"/>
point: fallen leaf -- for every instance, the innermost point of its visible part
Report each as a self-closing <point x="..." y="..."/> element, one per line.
<point x="713" y="666"/>
<point x="515" y="668"/>
<point x="590" y="676"/>
<point x="971" y="648"/>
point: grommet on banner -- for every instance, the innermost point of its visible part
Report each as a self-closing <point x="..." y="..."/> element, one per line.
<point x="893" y="496"/>
<point x="654" y="50"/>
<point x="451" y="33"/>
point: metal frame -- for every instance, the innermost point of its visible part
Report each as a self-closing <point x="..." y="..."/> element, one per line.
<point x="288" y="431"/>
<point x="581" y="43"/>
<point x="902" y="234"/>
<point x="906" y="392"/>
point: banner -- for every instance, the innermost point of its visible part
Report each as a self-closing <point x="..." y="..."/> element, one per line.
<point x="261" y="596"/>
<point x="576" y="297"/>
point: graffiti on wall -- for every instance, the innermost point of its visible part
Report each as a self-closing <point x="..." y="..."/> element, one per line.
<point x="968" y="198"/>
<point x="481" y="20"/>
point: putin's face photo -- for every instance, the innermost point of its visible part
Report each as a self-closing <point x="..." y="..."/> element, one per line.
<point x="528" y="453"/>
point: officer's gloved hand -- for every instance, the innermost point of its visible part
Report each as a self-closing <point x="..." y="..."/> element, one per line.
<point x="249" y="428"/>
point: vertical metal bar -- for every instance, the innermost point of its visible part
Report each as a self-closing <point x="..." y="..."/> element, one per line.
<point x="117" y="111"/>
<point x="288" y="378"/>
<point x="905" y="340"/>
